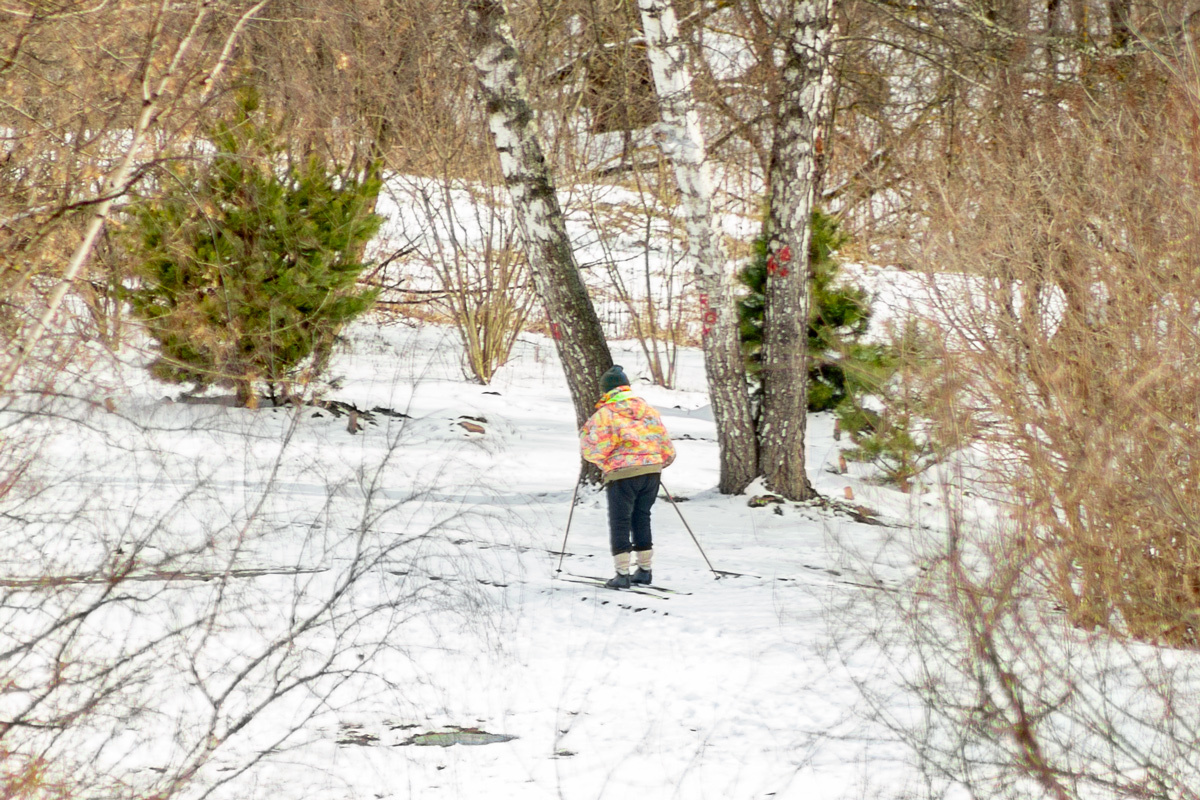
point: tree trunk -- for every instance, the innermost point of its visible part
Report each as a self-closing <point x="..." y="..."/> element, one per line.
<point x="682" y="141"/>
<point x="573" y="322"/>
<point x="795" y="172"/>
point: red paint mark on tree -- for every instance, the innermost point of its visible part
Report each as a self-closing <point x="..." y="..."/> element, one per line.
<point x="704" y="299"/>
<point x="555" y="331"/>
<point x="710" y="319"/>
<point x="776" y="261"/>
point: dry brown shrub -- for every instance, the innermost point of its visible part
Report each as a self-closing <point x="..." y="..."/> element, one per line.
<point x="1051" y="638"/>
<point x="370" y="80"/>
<point x="484" y="282"/>
<point x="1079" y="333"/>
<point x="94" y="96"/>
<point x="24" y="778"/>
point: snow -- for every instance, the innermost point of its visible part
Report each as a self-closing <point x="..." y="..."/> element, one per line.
<point x="729" y="691"/>
<point x="236" y="524"/>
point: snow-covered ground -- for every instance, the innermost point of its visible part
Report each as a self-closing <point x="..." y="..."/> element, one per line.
<point x="737" y="687"/>
<point x="309" y="605"/>
<point x="726" y="692"/>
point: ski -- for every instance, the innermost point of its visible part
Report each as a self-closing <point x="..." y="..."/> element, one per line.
<point x="641" y="588"/>
<point x="588" y="580"/>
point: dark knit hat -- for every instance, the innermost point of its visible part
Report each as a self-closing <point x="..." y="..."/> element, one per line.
<point x="612" y="379"/>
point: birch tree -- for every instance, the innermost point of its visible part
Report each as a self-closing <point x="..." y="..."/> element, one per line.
<point x="681" y="138"/>
<point x="177" y="60"/>
<point x="574" y="325"/>
<point x="794" y="173"/>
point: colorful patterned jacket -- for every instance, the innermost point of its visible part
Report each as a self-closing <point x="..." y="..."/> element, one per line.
<point x="626" y="437"/>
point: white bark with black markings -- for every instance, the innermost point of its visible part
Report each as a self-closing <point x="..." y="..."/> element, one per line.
<point x="573" y="321"/>
<point x="681" y="138"/>
<point x="806" y="81"/>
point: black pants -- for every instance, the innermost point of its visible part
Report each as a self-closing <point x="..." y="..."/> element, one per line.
<point x="629" y="502"/>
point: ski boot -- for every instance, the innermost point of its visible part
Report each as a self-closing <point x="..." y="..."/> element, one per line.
<point x="618" y="581"/>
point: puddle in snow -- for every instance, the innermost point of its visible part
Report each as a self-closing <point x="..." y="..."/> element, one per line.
<point x="468" y="736"/>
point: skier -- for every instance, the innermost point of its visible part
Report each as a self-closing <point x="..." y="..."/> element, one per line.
<point x="627" y="440"/>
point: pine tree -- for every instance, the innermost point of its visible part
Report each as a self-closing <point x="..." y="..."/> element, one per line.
<point x="838" y="316"/>
<point x="248" y="262"/>
<point x="893" y="434"/>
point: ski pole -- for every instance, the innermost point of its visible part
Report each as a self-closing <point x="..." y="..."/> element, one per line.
<point x="667" y="492"/>
<point x="562" y="551"/>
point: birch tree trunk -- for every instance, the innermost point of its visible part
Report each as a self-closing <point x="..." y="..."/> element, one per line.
<point x="806" y="81"/>
<point x="682" y="141"/>
<point x="573" y="322"/>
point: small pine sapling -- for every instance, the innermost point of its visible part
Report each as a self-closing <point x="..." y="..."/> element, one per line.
<point x="887" y="423"/>
<point x="247" y="263"/>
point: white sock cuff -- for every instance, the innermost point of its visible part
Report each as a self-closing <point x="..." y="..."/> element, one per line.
<point x="644" y="557"/>
<point x="622" y="561"/>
